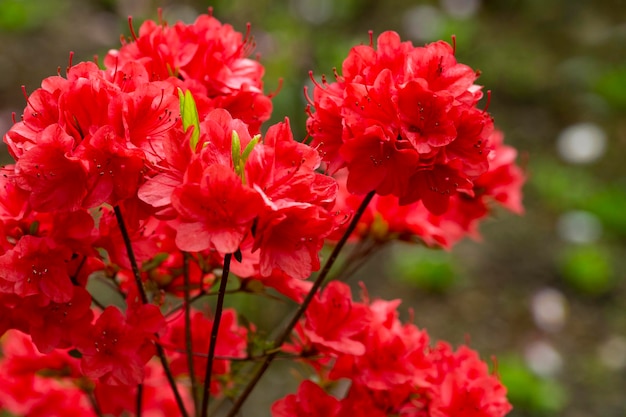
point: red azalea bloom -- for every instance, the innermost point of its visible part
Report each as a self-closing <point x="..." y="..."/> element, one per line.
<point x="42" y="110"/>
<point x="435" y="186"/>
<point x="148" y="112"/>
<point x="114" y="171"/>
<point x="38" y="266"/>
<point x="395" y="353"/>
<point x="290" y="236"/>
<point x="407" y="120"/>
<point x="182" y="164"/>
<point x="391" y="358"/>
<point x="74" y="230"/>
<point x="504" y="180"/>
<point x="32" y="384"/>
<point x="114" y="351"/>
<point x="285" y="169"/>
<point x="216" y="213"/>
<point x="84" y="105"/>
<point x="377" y="163"/>
<point x="403" y="400"/>
<point x="326" y="123"/>
<point x="311" y="400"/>
<point x="359" y="402"/>
<point x="333" y="320"/>
<point x="365" y="63"/>
<point x="207" y="57"/>
<point x="385" y="219"/>
<point x="463" y="386"/>
<point x="437" y="64"/>
<point x="55" y="325"/>
<point x="423" y="117"/>
<point x="55" y="179"/>
<point x="93" y="138"/>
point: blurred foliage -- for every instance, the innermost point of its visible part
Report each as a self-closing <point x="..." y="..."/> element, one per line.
<point x="432" y="271"/>
<point x="612" y="87"/>
<point x="529" y="392"/>
<point x="549" y="65"/>
<point x="588" y="269"/>
<point x="21" y="16"/>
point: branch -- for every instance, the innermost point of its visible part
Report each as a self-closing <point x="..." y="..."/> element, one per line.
<point x="188" y="335"/>
<point x="214" y="332"/>
<point x="144" y="299"/>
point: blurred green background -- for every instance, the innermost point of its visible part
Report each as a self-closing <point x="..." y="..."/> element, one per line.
<point x="545" y="292"/>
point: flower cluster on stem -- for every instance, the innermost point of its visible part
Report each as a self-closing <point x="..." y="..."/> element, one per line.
<point x="142" y="189"/>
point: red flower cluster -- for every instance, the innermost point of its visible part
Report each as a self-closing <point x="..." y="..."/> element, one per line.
<point x="209" y="57"/>
<point x="404" y="121"/>
<point x="386" y="219"/>
<point x="233" y="192"/>
<point x="150" y="178"/>
<point x="33" y="384"/>
<point x="391" y="368"/>
<point x="188" y="177"/>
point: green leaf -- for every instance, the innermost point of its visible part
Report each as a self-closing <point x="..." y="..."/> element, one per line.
<point x="157" y="260"/>
<point x="239" y="158"/>
<point x="249" y="147"/>
<point x="189" y="116"/>
<point x="235" y="150"/>
<point x="34" y="228"/>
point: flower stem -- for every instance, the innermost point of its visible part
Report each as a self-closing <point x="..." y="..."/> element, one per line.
<point x="144" y="299"/>
<point x="214" y="332"/>
<point x="139" y="399"/>
<point x="282" y="337"/>
<point x="188" y="336"/>
<point x="94" y="404"/>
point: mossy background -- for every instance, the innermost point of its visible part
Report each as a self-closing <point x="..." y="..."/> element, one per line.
<point x="549" y="64"/>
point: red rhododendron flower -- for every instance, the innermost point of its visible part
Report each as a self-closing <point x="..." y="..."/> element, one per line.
<point x="333" y="320"/>
<point x="89" y="138"/>
<point x="32" y="384"/>
<point x="114" y="170"/>
<point x="311" y="400"/>
<point x="386" y="219"/>
<point x="115" y="349"/>
<point x="407" y="121"/>
<point x="360" y="402"/>
<point x="38" y="266"/>
<point x="142" y="176"/>
<point x="217" y="213"/>
<point x="55" y="179"/>
<point x="271" y="195"/>
<point x="290" y="236"/>
<point x="211" y="60"/>
<point x="462" y="386"/>
<point x="56" y="325"/>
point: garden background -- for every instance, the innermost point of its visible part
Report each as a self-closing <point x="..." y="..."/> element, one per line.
<point x="545" y="293"/>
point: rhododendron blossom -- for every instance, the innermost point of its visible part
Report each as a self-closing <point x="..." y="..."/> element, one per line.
<point x="403" y="120"/>
<point x="143" y="194"/>
<point x="398" y="372"/>
<point x="209" y="57"/>
<point x="386" y="219"/>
